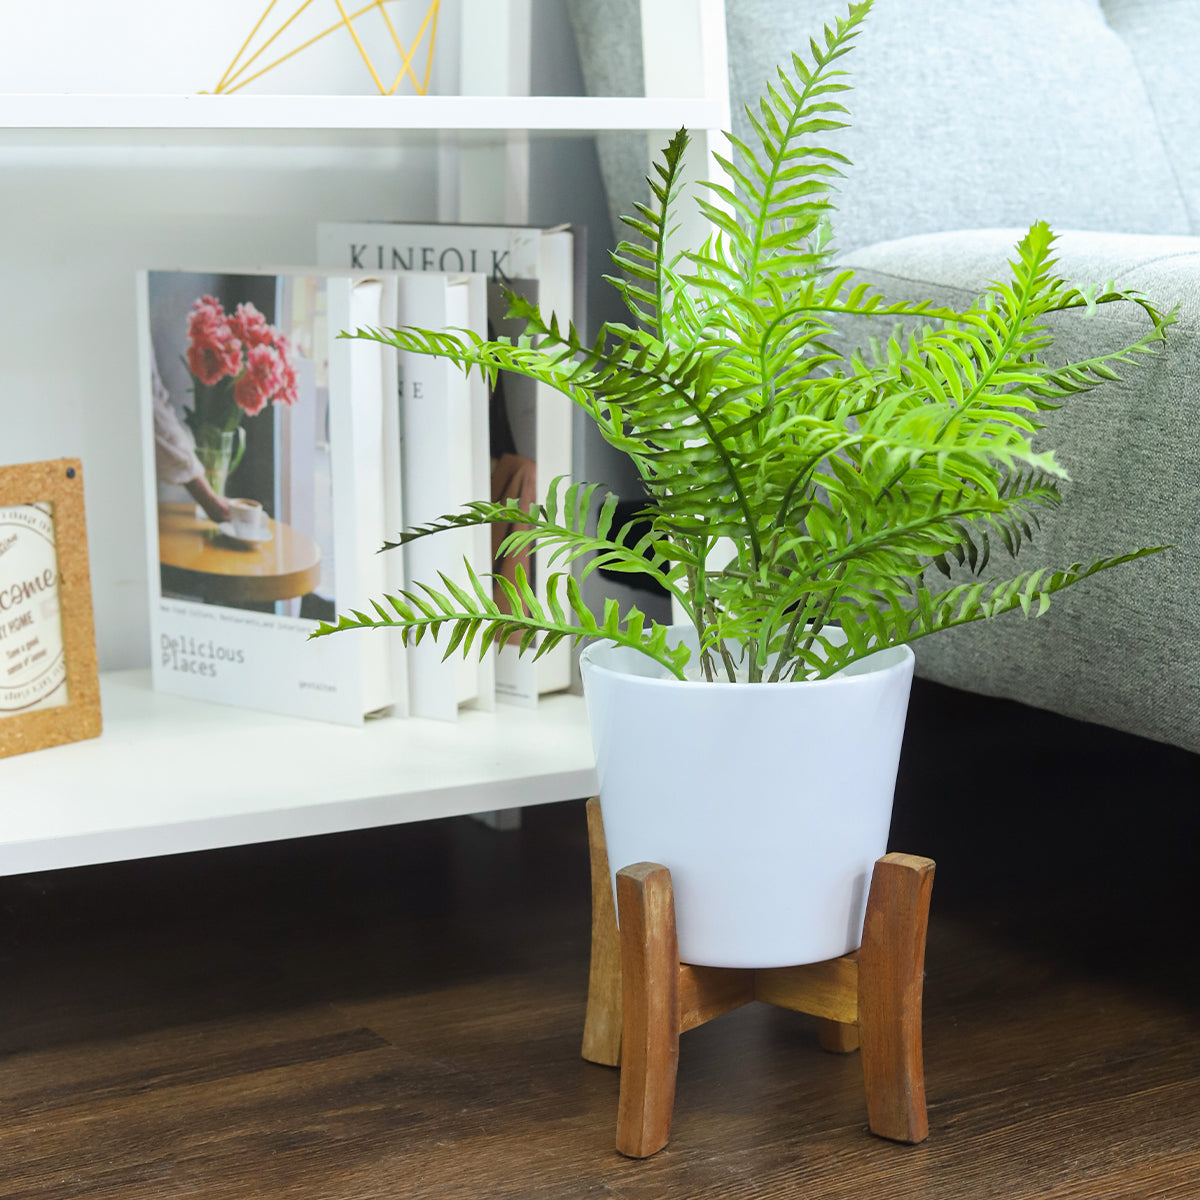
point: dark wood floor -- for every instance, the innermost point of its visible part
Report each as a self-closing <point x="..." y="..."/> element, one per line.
<point x="397" y="1013"/>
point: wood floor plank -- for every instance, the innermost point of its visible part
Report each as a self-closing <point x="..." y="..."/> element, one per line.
<point x="181" y="1052"/>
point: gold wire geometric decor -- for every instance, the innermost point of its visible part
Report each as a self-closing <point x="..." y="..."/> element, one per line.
<point x="244" y="60"/>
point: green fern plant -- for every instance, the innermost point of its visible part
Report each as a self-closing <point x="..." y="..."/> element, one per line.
<point x="838" y="484"/>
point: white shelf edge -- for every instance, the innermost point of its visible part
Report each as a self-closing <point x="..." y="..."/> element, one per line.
<point x="250" y="777"/>
<point x="484" y="114"/>
<point x="251" y="828"/>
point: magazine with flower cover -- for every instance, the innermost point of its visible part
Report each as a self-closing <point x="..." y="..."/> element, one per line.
<point x="266" y="447"/>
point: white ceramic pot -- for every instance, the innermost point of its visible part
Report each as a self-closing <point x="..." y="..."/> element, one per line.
<point x="768" y="802"/>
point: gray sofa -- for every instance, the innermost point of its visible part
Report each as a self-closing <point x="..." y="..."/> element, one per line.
<point x="970" y="122"/>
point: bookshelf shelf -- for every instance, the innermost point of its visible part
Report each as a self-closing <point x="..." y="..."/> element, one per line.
<point x="429" y="114"/>
<point x="170" y="775"/>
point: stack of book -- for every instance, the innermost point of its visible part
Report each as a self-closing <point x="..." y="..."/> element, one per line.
<point x="279" y="457"/>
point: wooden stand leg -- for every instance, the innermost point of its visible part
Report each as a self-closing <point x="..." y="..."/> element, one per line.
<point x="650" y="975"/>
<point x="838" y="1037"/>
<point x="602" y="1024"/>
<point x="891" y="971"/>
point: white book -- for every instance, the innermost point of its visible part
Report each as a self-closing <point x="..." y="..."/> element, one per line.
<point x="444" y="467"/>
<point x="480" y="551"/>
<point x="537" y="422"/>
<point x="393" y="493"/>
<point x="378" y="491"/>
<point x="251" y="401"/>
<point x="370" y="507"/>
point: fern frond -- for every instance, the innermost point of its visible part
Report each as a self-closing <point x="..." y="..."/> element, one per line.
<point x="651" y="306"/>
<point x="933" y="612"/>
<point x="473" y="616"/>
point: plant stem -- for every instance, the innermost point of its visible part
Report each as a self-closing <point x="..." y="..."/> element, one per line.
<point x="726" y="657"/>
<point x="755" y="665"/>
<point x="697" y="582"/>
<point x="823" y="611"/>
<point x="730" y="665"/>
<point x="789" y="640"/>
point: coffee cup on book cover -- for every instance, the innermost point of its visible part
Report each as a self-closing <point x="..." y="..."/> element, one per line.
<point x="248" y="518"/>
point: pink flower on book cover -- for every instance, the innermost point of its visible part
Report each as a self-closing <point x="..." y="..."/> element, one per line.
<point x="251" y="328"/>
<point x="262" y="379"/>
<point x="239" y="364"/>
<point x="213" y="351"/>
<point x="219" y="347"/>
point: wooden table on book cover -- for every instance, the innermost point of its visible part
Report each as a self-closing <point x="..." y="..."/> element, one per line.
<point x="197" y="559"/>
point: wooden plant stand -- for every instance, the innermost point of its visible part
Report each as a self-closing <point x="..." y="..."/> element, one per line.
<point x="641" y="997"/>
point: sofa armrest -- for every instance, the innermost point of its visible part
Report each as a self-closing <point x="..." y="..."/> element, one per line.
<point x="1121" y="648"/>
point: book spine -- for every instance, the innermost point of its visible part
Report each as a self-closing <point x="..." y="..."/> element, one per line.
<point x="467" y="482"/>
<point x="428" y="493"/>
<point x="345" y="449"/>
<point x="554" y="422"/>
<point x="393" y="493"/>
<point x="481" y="477"/>
<point x="366" y="399"/>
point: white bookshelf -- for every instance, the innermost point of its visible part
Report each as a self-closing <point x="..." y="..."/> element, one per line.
<point x="95" y="186"/>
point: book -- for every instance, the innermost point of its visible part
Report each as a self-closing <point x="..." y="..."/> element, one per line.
<point x="271" y="465"/>
<point x="444" y="466"/>
<point x="377" y="490"/>
<point x="530" y="439"/>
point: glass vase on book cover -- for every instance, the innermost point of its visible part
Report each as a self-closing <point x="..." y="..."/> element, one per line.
<point x="239" y="363"/>
<point x="219" y="451"/>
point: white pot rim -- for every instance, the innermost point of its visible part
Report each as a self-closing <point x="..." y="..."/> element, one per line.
<point x="862" y="678"/>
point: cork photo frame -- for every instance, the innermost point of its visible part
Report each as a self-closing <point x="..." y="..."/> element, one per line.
<point x="49" y="686"/>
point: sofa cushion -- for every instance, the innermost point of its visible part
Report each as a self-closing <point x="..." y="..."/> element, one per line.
<point x="964" y="114"/>
<point x="969" y="115"/>
<point x="1164" y="38"/>
<point x="1121" y="648"/>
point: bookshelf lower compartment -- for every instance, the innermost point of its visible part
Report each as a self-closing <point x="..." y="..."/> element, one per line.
<point x="171" y="775"/>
